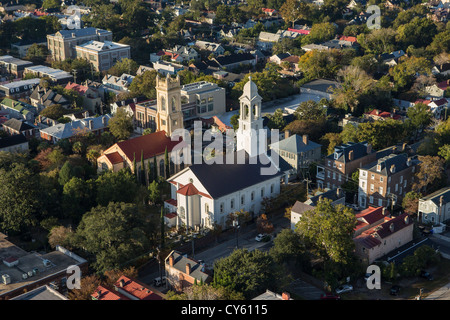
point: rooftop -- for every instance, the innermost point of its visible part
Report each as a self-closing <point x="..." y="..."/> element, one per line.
<point x="41" y="293"/>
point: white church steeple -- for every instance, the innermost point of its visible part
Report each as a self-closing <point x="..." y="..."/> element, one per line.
<point x="250" y="121"/>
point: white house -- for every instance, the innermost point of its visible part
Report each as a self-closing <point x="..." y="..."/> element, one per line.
<point x="435" y="208"/>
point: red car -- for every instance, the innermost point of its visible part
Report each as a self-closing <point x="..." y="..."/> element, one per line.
<point x="329" y="296"/>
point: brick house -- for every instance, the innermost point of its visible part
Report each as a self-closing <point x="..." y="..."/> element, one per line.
<point x="182" y="272"/>
<point x="388" y="178"/>
<point x="338" y="166"/>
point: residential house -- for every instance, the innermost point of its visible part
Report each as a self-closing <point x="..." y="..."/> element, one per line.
<point x="379" y="240"/>
<point x="102" y="55"/>
<point x="18" y="89"/>
<point x="96" y="125"/>
<point x="337" y="197"/>
<point x="15" y="143"/>
<point x="321" y="87"/>
<point x="62" y="44"/>
<point x="385" y="180"/>
<point x="437" y="91"/>
<point x="269" y="12"/>
<point x="298" y="151"/>
<point x="235" y="60"/>
<point x="167" y="68"/>
<point x="151" y="147"/>
<point x="117" y="84"/>
<point x="438" y="107"/>
<point x="15" y="126"/>
<point x="184" y="52"/>
<point x="277" y="58"/>
<point x="338" y="166"/>
<point x="18" y="109"/>
<point x="392" y="59"/>
<point x="266" y="40"/>
<point x="92" y="99"/>
<point x="101" y="293"/>
<point x="377" y="114"/>
<point x="434" y="208"/>
<point x="42" y="97"/>
<point x="269" y="295"/>
<point x="183" y="272"/>
<point x="441" y="69"/>
<point x="135" y="290"/>
<point x="212" y="47"/>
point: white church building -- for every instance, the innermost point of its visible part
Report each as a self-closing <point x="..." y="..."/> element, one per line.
<point x="205" y="194"/>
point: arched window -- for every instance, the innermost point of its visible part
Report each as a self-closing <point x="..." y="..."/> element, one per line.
<point x="182" y="213"/>
<point x="174" y="104"/>
<point x="163" y="103"/>
<point x="162" y="170"/>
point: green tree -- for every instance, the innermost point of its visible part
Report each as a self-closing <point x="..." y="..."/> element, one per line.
<point x="114" y="234"/>
<point x="410" y="202"/>
<point x="50" y="4"/>
<point x="144" y="84"/>
<point x="246" y="272"/>
<point x="288" y="248"/>
<point x="66" y="173"/>
<point x="77" y="198"/>
<point x="54" y="111"/>
<point x="121" y="125"/>
<point x="310" y="110"/>
<point x="118" y="186"/>
<point x="37" y="53"/>
<point x="276" y="121"/>
<point x="294" y="10"/>
<point x="419" y="117"/>
<point x="329" y="231"/>
<point x="19" y="197"/>
<point x="122" y="66"/>
<point x="154" y="192"/>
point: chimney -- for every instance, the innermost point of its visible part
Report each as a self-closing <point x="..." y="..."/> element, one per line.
<point x="369" y="148"/>
<point x="188" y="269"/>
<point x="404" y="146"/>
<point x="393" y="168"/>
<point x="86" y="114"/>
<point x="384" y="211"/>
<point x="285" y="296"/>
<point x="104" y="121"/>
<point x="286" y="134"/>
<point x="90" y="124"/>
<point x="391" y="227"/>
<point x="171" y="261"/>
<point x="305" y="139"/>
<point x="122" y="283"/>
<point x="441" y="201"/>
<point x="338" y="192"/>
<point x="350" y="155"/>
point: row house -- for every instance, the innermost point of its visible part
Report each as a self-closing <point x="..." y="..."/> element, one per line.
<point x="435" y="208"/>
<point x="387" y="179"/>
<point x="338" y="166"/>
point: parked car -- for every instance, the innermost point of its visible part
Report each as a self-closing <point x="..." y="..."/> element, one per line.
<point x="395" y="289"/>
<point x="426" y="275"/>
<point x="344" y="288"/>
<point x="329" y="296"/>
<point x="262" y="237"/>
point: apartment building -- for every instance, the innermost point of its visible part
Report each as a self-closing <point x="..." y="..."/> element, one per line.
<point x="56" y="75"/>
<point x="435" y="207"/>
<point x="387" y="179"/>
<point x="14" y="66"/>
<point x="102" y="55"/>
<point x="338" y="166"/>
<point x="62" y="44"/>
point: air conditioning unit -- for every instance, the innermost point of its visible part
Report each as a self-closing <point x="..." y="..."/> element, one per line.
<point x="6" y="279"/>
<point x="30" y="274"/>
<point x="47" y="263"/>
<point x="24" y="276"/>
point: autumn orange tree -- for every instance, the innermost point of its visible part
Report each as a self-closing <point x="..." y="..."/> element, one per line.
<point x="263" y="225"/>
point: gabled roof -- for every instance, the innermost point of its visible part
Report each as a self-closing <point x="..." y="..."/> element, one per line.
<point x="114" y="157"/>
<point x="17" y="125"/>
<point x="223" y="179"/>
<point x="188" y="190"/>
<point x="300" y="207"/>
<point x="399" y="161"/>
<point x="101" y="293"/>
<point x="295" y="144"/>
<point x="151" y="145"/>
<point x="436" y="196"/>
<point x="333" y="195"/>
<point x="342" y="152"/>
<point x="180" y="261"/>
<point x="234" y="58"/>
<point x="10" y="141"/>
<point x="136" y="289"/>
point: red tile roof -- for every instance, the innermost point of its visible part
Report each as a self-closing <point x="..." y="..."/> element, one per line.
<point x="151" y="145"/>
<point x="188" y="190"/>
<point x="171" y="215"/>
<point x="384" y="114"/>
<point x="114" y="157"/>
<point x="345" y="38"/>
<point x="101" y="293"/>
<point x="301" y="31"/>
<point x="172" y="202"/>
<point x="77" y="87"/>
<point x="136" y="289"/>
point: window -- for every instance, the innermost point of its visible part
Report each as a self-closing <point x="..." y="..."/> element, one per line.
<point x="252" y="196"/>
<point x="262" y="192"/>
<point x="396" y="187"/>
<point x="242" y="200"/>
<point x="334" y="175"/>
<point x="221" y="207"/>
<point x="372" y="177"/>
<point x="163" y="103"/>
<point x="206" y="208"/>
<point x="329" y="174"/>
<point x="380" y="190"/>
<point x="381" y="179"/>
<point x="371" y="199"/>
<point x="401" y="179"/>
<point x="182" y="213"/>
<point x="174" y="104"/>
<point x="339" y="177"/>
<point x="272" y="188"/>
<point x="371" y="187"/>
<point x="232" y="204"/>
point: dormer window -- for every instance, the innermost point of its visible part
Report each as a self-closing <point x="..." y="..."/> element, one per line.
<point x="378" y="167"/>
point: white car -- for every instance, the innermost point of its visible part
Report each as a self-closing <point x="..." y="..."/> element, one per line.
<point x="259" y="237"/>
<point x="344" y="288"/>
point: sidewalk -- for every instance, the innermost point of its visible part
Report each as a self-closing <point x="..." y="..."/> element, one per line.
<point x="440" y="294"/>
